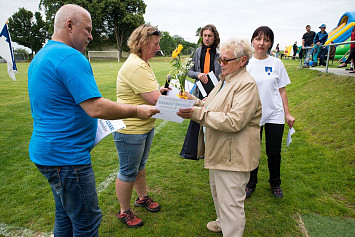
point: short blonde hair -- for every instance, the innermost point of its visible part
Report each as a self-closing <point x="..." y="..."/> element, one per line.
<point x="140" y="37"/>
<point x="240" y="48"/>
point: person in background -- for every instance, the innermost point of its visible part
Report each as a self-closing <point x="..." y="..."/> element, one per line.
<point x="65" y="103"/>
<point x="319" y="40"/>
<point x="136" y="85"/>
<point x="324" y="55"/>
<point x="205" y="61"/>
<point x="295" y="49"/>
<point x="277" y="50"/>
<point x="271" y="78"/>
<point x="230" y="136"/>
<point x="351" y="57"/>
<point x="307" y="41"/>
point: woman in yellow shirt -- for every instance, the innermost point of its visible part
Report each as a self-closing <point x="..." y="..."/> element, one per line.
<point x="136" y="84"/>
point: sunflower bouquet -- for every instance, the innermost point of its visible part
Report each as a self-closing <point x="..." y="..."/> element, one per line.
<point x="180" y="69"/>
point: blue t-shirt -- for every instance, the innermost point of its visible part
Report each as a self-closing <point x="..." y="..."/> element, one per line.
<point x="59" y="78"/>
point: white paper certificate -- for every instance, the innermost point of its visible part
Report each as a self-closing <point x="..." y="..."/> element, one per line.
<point x="189" y="86"/>
<point x="106" y="127"/>
<point x="169" y="106"/>
<point x="291" y="131"/>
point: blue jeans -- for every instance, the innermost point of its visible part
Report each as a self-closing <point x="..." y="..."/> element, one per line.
<point x="77" y="212"/>
<point x="306" y="58"/>
<point x="133" y="151"/>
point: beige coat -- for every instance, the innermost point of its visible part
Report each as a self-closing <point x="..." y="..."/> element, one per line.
<point x="231" y="118"/>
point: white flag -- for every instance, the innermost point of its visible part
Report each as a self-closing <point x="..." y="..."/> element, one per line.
<point x="7" y="53"/>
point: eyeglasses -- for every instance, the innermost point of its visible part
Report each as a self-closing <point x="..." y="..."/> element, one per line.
<point x="156" y="32"/>
<point x="225" y="61"/>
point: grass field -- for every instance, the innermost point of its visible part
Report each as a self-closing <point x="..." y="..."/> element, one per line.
<point x="317" y="169"/>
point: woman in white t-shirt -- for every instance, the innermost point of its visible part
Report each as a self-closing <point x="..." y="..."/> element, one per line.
<point x="271" y="78"/>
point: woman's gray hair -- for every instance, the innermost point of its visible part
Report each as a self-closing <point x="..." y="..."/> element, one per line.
<point x="240" y="48"/>
<point x="69" y="11"/>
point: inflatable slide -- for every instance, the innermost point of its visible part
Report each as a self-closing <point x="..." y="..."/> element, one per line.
<point x="342" y="33"/>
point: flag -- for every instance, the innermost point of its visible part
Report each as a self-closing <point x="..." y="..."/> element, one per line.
<point x="7" y="53"/>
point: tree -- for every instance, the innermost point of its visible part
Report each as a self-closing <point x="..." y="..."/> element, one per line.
<point x="112" y="20"/>
<point x="119" y="19"/>
<point x="50" y="8"/>
<point x="188" y="46"/>
<point x="167" y="43"/>
<point x="28" y="30"/>
<point x="198" y="31"/>
<point x="21" y="53"/>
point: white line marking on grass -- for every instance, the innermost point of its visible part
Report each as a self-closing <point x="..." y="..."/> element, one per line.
<point x="160" y="126"/>
<point x="9" y="230"/>
<point x="302" y="226"/>
<point x="103" y="185"/>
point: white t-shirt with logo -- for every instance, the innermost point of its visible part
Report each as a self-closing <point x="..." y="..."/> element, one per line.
<point x="270" y="75"/>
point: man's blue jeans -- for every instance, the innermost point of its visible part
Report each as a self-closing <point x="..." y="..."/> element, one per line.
<point x="77" y="212"/>
<point x="306" y="58"/>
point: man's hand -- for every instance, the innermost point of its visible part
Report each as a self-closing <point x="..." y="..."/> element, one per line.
<point x="146" y="111"/>
<point x="203" y="77"/>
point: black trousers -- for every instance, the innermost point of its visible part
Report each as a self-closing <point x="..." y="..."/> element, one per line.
<point x="273" y="140"/>
<point x="323" y="57"/>
<point x="351" y="56"/>
<point x="189" y="149"/>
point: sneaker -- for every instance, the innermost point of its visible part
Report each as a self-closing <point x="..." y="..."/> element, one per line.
<point x="129" y="219"/>
<point x="148" y="203"/>
<point x="248" y="192"/>
<point x="277" y="192"/>
<point x="349" y="69"/>
<point x="213" y="226"/>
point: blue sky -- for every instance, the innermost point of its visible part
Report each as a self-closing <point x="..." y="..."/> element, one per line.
<point x="233" y="18"/>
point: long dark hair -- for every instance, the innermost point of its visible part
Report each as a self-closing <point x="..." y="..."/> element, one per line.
<point x="267" y="32"/>
<point x="212" y="28"/>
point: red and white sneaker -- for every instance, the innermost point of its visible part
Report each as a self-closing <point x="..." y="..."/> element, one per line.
<point x="129" y="219"/>
<point x="148" y="203"/>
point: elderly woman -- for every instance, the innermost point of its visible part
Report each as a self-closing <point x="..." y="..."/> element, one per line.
<point x="230" y="136"/>
<point x="136" y="84"/>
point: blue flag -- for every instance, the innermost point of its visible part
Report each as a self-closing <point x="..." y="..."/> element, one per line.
<point x="7" y="53"/>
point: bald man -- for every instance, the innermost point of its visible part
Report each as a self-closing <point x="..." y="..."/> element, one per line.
<point x="65" y="104"/>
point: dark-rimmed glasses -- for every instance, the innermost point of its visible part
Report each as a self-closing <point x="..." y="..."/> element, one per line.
<point x="225" y="61"/>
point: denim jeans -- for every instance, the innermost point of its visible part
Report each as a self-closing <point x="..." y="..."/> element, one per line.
<point x="77" y="212"/>
<point x="133" y="151"/>
<point x="308" y="55"/>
